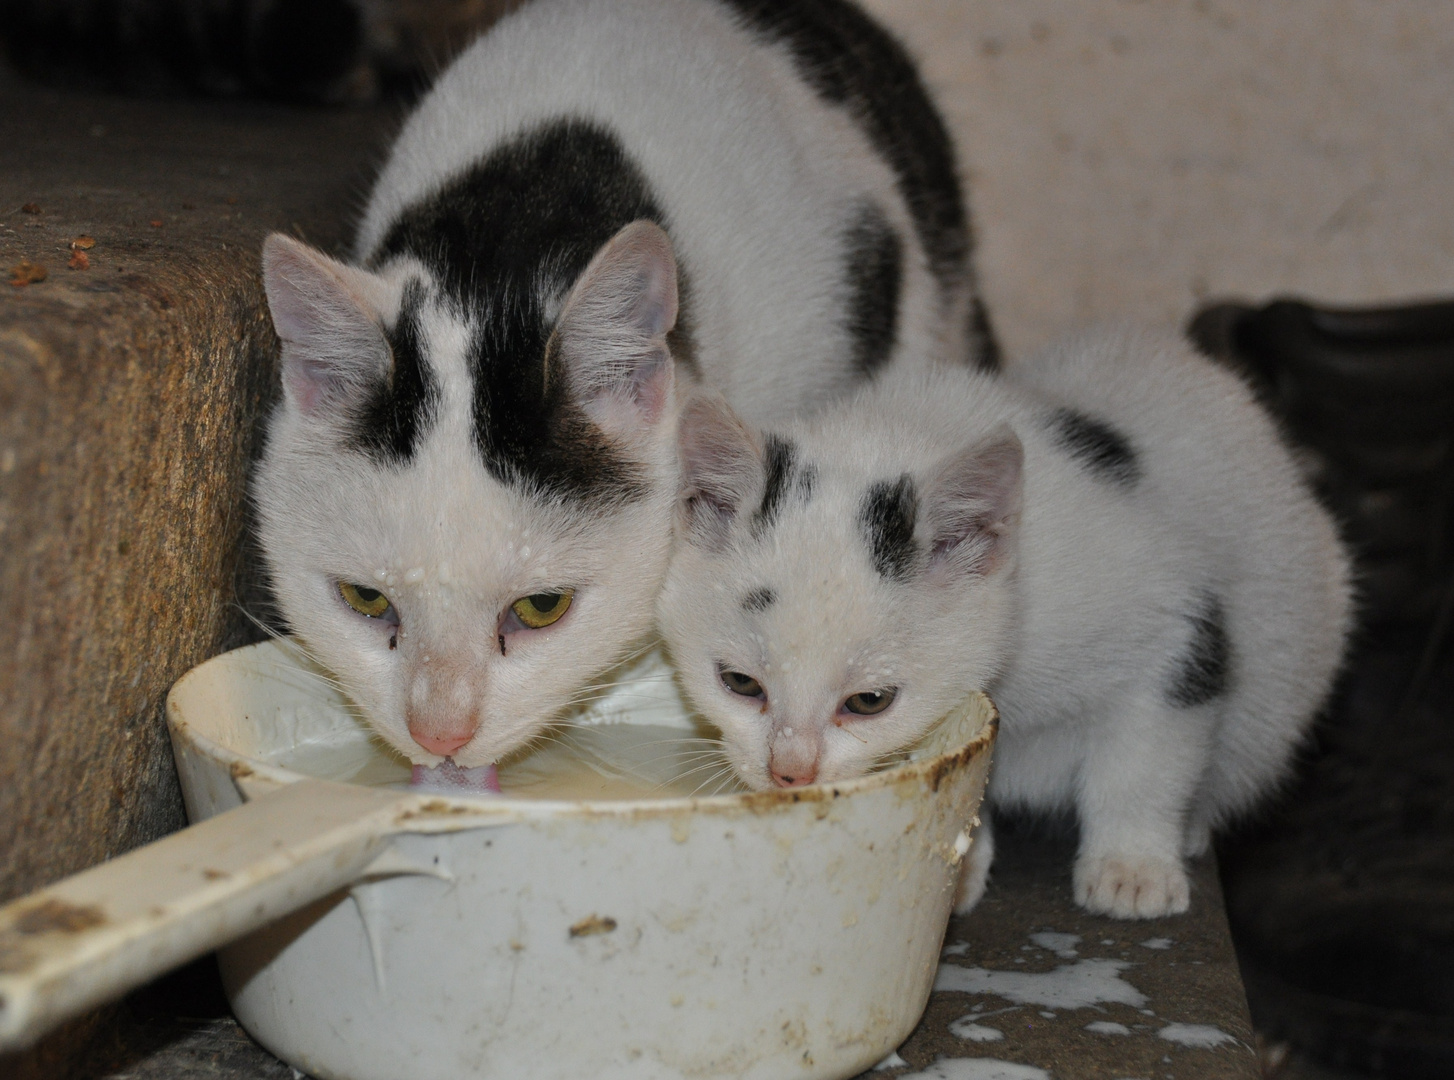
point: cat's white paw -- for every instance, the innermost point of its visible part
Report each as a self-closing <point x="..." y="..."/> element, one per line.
<point x="1131" y="886"/>
<point x="974" y="871"/>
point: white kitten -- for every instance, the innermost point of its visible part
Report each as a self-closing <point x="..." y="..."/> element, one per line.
<point x="467" y="492"/>
<point x="1115" y="544"/>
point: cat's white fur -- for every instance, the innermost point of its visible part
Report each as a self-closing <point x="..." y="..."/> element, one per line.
<point x="1068" y="595"/>
<point x="755" y="174"/>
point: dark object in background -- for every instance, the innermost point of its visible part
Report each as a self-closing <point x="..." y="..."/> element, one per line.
<point x="323" y="51"/>
<point x="1342" y="902"/>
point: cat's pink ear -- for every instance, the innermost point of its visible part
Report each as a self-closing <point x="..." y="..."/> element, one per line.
<point x="721" y="469"/>
<point x="972" y="506"/>
<point x="326" y="315"/>
<point x="610" y="339"/>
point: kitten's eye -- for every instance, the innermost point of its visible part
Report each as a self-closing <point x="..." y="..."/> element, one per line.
<point x="870" y="702"/>
<point x="742" y="684"/>
<point x="364" y="600"/>
<point x="541" y="609"/>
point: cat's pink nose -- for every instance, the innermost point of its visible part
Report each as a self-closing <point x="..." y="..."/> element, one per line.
<point x="803" y="778"/>
<point x="443" y="745"/>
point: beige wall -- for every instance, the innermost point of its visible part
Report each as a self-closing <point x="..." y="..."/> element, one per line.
<point x="1138" y="156"/>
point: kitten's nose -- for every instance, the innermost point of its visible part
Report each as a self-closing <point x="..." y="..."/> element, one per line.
<point x="443" y="745"/>
<point x="803" y="778"/>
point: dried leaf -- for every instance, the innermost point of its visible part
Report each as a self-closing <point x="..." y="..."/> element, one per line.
<point x="30" y="208"/>
<point x="156" y="223"/>
<point x="79" y="260"/>
<point x="83" y="243"/>
<point x="26" y="273"/>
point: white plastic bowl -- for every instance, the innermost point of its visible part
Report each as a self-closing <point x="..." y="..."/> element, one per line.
<point x="790" y="933"/>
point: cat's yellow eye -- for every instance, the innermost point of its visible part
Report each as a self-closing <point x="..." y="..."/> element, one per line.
<point x="740" y="683"/>
<point x="870" y="702"/>
<point x="539" y="610"/>
<point x="364" y="600"/>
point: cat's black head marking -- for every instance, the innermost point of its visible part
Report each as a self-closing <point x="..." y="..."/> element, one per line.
<point x="779" y="458"/>
<point x="506" y="239"/>
<point x="397" y="410"/>
<point x="886" y="517"/>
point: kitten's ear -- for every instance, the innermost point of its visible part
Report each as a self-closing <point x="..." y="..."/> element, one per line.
<point x="972" y="506"/>
<point x="610" y="339"/>
<point x="721" y="469"/>
<point x="327" y="315"/>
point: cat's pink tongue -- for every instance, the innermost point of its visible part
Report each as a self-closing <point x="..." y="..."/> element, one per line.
<point x="448" y="775"/>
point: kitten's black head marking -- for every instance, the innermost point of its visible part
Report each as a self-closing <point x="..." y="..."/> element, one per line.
<point x="1204" y="673"/>
<point x="873" y="273"/>
<point x="886" y="516"/>
<point x="398" y="409"/>
<point x="759" y="599"/>
<point x="1097" y="445"/>
<point x="505" y="238"/>
<point x="780" y="457"/>
<point x="850" y="61"/>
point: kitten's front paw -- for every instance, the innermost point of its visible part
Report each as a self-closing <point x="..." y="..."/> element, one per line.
<point x="1131" y="886"/>
<point x="974" y="872"/>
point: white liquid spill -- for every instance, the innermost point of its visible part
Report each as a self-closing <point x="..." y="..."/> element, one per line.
<point x="977" y="1069"/>
<point x="966" y="1028"/>
<point x="1201" y="1036"/>
<point x="959" y="948"/>
<point x="1107" y="1027"/>
<point x="1070" y="986"/>
<point x="893" y="1061"/>
<point x="1157" y="943"/>
<point x="1062" y="945"/>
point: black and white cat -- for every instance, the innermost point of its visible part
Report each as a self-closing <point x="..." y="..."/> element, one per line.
<point x="467" y="493"/>
<point x="1113" y="542"/>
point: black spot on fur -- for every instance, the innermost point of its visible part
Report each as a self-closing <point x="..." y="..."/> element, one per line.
<point x="505" y="238"/>
<point x="851" y="61"/>
<point x="388" y="424"/>
<point x="873" y="271"/>
<point x="781" y="456"/>
<point x="984" y="347"/>
<point x="887" y="517"/>
<point x="1096" y="445"/>
<point x="1205" y="672"/>
<point x="759" y="600"/>
<point x="806" y="483"/>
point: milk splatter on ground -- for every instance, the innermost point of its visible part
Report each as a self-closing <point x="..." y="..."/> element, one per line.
<point x="1069" y="986"/>
<point x="1202" y="1036"/>
<point x="977" y="1069"/>
<point x="893" y="1061"/>
<point x="966" y="1028"/>
<point x="1062" y="945"/>
<point x="1107" y="1027"/>
<point x="1157" y="943"/>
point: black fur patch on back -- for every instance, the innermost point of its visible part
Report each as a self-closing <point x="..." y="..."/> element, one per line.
<point x="851" y="61"/>
<point x="780" y="458"/>
<point x="504" y="237"/>
<point x="1205" y="672"/>
<point x="1096" y="445"/>
<point x="759" y="599"/>
<point x="873" y="271"/>
<point x="886" y="516"/>
<point x="387" y="425"/>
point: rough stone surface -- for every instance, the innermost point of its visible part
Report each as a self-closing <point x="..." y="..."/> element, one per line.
<point x="130" y="393"/>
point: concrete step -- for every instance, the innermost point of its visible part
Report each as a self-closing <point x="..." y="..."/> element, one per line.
<point x="130" y="395"/>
